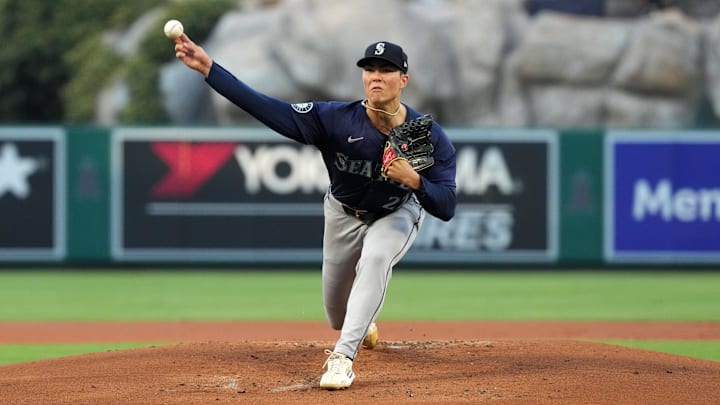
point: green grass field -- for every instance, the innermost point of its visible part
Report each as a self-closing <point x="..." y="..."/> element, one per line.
<point x="204" y="294"/>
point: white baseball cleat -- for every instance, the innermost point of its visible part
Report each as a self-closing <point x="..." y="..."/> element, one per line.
<point x="371" y="338"/>
<point x="339" y="372"/>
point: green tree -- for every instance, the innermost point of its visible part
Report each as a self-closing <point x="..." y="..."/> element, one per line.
<point x="37" y="34"/>
<point x="142" y="71"/>
<point x="56" y="59"/>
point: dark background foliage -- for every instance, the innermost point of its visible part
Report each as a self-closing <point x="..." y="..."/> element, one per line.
<point x="56" y="58"/>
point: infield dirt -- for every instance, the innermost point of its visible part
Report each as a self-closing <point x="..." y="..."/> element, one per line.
<point x="441" y="362"/>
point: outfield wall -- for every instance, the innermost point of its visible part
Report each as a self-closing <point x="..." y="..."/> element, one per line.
<point x="242" y="195"/>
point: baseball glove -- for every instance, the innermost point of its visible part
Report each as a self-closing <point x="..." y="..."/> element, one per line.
<point x="410" y="141"/>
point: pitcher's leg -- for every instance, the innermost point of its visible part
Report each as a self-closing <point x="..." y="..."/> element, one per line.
<point x="386" y="242"/>
<point x="337" y="281"/>
<point x="342" y="243"/>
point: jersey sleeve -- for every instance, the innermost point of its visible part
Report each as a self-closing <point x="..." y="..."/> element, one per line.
<point x="438" y="191"/>
<point x="282" y="117"/>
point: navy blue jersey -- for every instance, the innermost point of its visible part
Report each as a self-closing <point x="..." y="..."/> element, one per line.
<point x="351" y="147"/>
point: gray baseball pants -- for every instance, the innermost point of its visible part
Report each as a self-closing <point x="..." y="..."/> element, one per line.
<point x="358" y="260"/>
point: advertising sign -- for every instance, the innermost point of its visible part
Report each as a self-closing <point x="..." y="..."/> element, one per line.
<point x="32" y="194"/>
<point x="252" y="195"/>
<point x="215" y="195"/>
<point x="663" y="196"/>
<point x="507" y="200"/>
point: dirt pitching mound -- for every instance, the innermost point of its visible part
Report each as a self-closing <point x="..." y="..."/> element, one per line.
<point x="494" y="371"/>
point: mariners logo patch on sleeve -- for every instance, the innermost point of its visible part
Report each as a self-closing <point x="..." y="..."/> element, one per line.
<point x="302" y="107"/>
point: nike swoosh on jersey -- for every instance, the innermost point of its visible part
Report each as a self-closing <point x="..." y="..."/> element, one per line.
<point x="353" y="140"/>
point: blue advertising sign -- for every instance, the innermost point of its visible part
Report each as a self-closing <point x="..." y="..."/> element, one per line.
<point x="662" y="196"/>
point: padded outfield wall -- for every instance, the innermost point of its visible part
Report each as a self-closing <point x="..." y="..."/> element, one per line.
<point x="245" y="196"/>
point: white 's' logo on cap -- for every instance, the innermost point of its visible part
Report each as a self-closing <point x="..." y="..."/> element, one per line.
<point x="380" y="48"/>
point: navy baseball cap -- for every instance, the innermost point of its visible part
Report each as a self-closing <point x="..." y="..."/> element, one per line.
<point x="386" y="51"/>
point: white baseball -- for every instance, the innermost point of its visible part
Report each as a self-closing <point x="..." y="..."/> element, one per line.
<point x="173" y="29"/>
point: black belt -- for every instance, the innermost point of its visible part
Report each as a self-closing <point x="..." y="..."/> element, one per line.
<point x="365" y="216"/>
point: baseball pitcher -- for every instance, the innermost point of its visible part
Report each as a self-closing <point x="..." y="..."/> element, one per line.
<point x="388" y="166"/>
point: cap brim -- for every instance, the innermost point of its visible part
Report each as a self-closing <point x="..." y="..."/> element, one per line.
<point x="364" y="61"/>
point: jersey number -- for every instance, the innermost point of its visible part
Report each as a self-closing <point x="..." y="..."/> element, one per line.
<point x="393" y="203"/>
